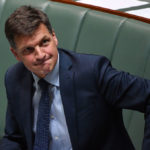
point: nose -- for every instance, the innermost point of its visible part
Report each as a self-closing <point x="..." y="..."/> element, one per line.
<point x="39" y="54"/>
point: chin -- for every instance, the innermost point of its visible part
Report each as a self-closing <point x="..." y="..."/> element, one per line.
<point x="45" y="72"/>
<point x="42" y="74"/>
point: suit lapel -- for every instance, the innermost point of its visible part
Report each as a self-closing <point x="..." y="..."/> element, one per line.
<point x="68" y="96"/>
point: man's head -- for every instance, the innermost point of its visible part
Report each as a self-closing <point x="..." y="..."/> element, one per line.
<point x="32" y="39"/>
<point x="24" y="21"/>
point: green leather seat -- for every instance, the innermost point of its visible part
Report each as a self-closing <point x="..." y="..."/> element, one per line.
<point x="98" y="34"/>
<point x="66" y="21"/>
<point x="131" y="54"/>
<point x="124" y="41"/>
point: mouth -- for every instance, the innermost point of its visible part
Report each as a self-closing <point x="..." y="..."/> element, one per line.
<point x="41" y="62"/>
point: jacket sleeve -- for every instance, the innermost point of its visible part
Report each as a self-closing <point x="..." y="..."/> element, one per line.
<point x="121" y="89"/>
<point x="13" y="139"/>
<point x="125" y="91"/>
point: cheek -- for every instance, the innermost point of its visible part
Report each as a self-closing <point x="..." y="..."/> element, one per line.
<point x="28" y="60"/>
<point x="51" y="51"/>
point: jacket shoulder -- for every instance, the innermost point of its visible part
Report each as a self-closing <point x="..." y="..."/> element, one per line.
<point x="15" y="73"/>
<point x="82" y="57"/>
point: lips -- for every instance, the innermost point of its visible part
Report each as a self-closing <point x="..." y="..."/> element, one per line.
<point x="41" y="62"/>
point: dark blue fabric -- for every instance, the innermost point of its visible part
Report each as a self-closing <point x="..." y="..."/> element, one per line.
<point x="42" y="131"/>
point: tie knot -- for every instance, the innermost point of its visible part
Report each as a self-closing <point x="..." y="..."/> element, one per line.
<point x="43" y="84"/>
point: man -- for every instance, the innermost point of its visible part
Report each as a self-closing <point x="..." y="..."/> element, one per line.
<point x="88" y="95"/>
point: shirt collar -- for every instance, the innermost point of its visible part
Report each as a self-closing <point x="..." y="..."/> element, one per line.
<point x="52" y="77"/>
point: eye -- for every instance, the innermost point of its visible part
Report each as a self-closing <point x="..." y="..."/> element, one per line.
<point x="28" y="50"/>
<point x="45" y="42"/>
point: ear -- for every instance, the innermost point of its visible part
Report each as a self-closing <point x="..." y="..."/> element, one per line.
<point x="55" y="38"/>
<point x="15" y="53"/>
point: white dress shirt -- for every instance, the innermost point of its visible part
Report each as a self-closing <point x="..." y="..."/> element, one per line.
<point x="58" y="127"/>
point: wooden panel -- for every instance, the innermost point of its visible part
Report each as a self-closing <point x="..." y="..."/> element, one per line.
<point x="115" y="12"/>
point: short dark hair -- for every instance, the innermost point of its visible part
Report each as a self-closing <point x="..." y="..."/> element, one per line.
<point x="24" y="21"/>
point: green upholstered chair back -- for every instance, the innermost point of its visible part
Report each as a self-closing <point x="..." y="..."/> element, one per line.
<point x="126" y="42"/>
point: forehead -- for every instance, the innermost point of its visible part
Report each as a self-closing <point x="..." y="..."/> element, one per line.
<point x="34" y="38"/>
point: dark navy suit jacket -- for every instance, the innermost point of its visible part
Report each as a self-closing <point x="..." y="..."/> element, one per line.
<point x="93" y="95"/>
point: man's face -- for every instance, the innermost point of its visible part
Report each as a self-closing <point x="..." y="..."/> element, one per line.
<point x="38" y="52"/>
